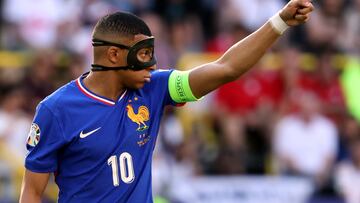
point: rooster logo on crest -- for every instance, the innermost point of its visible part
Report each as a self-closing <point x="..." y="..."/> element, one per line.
<point x="140" y="117"/>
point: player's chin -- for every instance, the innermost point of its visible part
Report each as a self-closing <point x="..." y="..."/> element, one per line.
<point x="139" y="85"/>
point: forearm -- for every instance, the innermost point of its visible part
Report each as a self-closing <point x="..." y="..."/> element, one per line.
<point x="244" y="54"/>
<point x="33" y="187"/>
<point x="29" y="197"/>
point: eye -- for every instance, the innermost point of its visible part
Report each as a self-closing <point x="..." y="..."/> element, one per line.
<point x="145" y="54"/>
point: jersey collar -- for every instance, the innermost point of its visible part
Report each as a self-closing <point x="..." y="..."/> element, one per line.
<point x="88" y="93"/>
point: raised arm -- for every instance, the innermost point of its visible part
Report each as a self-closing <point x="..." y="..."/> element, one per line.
<point x="33" y="187"/>
<point x="244" y="54"/>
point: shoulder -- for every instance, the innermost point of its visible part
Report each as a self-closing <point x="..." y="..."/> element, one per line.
<point x="51" y="111"/>
<point x="161" y="73"/>
<point x="158" y="89"/>
<point x="159" y="78"/>
<point x="59" y="97"/>
<point x="288" y="121"/>
<point x="325" y="122"/>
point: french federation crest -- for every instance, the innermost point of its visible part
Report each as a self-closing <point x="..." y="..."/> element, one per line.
<point x="140" y="117"/>
<point x="34" y="135"/>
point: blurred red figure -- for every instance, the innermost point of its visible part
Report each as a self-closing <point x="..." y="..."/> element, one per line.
<point x="322" y="80"/>
<point x="251" y="91"/>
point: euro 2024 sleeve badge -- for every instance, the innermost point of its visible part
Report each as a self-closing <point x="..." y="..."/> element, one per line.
<point x="34" y="135"/>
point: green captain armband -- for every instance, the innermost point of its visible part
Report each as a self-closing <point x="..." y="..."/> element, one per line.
<point x="179" y="87"/>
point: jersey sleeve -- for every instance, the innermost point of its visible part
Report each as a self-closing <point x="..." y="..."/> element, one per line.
<point x="44" y="141"/>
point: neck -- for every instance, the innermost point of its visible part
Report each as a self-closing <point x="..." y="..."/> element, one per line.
<point x="104" y="83"/>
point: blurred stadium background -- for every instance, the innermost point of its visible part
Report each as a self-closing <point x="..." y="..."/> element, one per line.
<point x="288" y="131"/>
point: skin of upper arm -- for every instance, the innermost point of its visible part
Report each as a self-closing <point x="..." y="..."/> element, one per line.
<point x="33" y="186"/>
<point x="208" y="77"/>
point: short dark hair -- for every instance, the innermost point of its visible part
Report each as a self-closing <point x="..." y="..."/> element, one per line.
<point x="121" y="23"/>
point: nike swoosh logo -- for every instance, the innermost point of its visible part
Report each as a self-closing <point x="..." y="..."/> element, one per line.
<point x="83" y="135"/>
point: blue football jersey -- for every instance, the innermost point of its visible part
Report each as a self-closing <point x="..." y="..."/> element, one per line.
<point x="99" y="150"/>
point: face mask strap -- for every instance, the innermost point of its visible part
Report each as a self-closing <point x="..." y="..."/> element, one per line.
<point x="99" y="42"/>
<point x="96" y="67"/>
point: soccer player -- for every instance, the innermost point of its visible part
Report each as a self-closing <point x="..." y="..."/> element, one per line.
<point x="97" y="133"/>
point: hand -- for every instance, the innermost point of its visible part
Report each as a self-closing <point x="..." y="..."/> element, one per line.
<point x="297" y="12"/>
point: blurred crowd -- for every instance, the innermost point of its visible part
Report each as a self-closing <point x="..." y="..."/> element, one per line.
<point x="295" y="114"/>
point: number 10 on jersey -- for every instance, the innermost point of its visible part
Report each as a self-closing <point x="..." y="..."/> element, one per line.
<point x="126" y="168"/>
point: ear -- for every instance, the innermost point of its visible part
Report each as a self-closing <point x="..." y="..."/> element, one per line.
<point x="113" y="54"/>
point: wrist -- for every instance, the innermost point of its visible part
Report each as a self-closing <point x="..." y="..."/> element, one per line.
<point x="278" y="24"/>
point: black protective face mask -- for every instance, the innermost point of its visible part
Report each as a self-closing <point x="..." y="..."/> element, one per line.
<point x="138" y="57"/>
